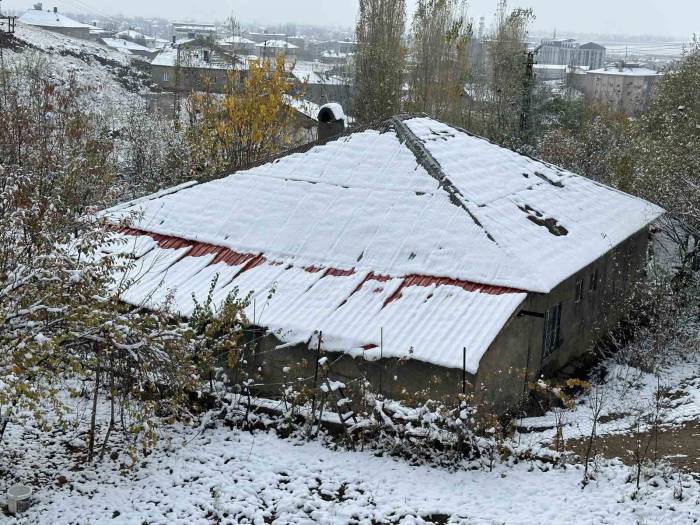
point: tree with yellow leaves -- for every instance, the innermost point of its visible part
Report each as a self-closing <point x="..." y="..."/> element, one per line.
<point x="249" y="122"/>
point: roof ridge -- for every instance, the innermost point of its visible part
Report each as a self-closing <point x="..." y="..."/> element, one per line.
<point x="434" y="169"/>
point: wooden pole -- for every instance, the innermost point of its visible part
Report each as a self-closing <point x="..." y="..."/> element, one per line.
<point x="381" y="358"/>
<point x="464" y="371"/>
<point x="318" y="358"/>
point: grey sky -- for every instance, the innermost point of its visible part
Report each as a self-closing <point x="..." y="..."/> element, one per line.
<point x="660" y="17"/>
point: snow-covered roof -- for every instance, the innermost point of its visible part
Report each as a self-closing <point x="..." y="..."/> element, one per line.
<point x="130" y="34"/>
<point x="277" y="44"/>
<point x="236" y="40"/>
<point x="194" y="58"/>
<point x="306" y="107"/>
<point x="188" y="26"/>
<point x="419" y="228"/>
<point x="626" y="71"/>
<point x="36" y="17"/>
<point x="125" y="45"/>
<point x="316" y="73"/>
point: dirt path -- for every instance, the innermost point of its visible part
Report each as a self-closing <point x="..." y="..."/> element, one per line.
<point x="679" y="446"/>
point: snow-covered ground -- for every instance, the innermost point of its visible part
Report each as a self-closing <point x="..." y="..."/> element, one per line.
<point x="626" y="394"/>
<point x="211" y="474"/>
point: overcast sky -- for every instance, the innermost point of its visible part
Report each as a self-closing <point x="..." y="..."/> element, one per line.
<point x="660" y="17"/>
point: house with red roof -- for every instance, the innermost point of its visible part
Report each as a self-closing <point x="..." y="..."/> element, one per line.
<point x="411" y="253"/>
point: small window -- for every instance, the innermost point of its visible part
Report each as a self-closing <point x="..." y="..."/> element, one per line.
<point x="593" y="283"/>
<point x="166" y="77"/>
<point x="579" y="292"/>
<point x="552" y="325"/>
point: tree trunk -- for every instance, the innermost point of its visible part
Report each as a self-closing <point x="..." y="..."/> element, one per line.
<point x="93" y="417"/>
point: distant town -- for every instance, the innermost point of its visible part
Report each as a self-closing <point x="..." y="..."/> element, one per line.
<point x="619" y="75"/>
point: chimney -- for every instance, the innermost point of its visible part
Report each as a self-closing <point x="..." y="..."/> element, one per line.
<point x="331" y="121"/>
<point x="55" y="10"/>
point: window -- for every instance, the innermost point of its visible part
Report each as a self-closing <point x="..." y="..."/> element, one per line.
<point x="552" y="325"/>
<point x="166" y="77"/>
<point x="593" y="284"/>
<point x="579" y="292"/>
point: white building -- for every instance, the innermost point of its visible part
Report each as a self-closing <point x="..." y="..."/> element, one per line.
<point x="56" y="22"/>
<point x="271" y="48"/>
<point x="624" y="89"/>
<point x="568" y="52"/>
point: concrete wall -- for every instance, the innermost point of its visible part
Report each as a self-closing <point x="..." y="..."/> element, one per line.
<point x="518" y="352"/>
<point x="628" y="94"/>
<point x="75" y="32"/>
<point x="515" y="357"/>
<point x="191" y="79"/>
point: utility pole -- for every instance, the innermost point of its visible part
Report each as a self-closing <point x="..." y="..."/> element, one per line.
<point x="528" y="83"/>
<point x="176" y="97"/>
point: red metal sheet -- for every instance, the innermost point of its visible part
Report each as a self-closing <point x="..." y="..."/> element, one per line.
<point x="251" y="261"/>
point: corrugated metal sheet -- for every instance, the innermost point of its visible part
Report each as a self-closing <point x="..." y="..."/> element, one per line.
<point x="414" y="227"/>
<point x="423" y="317"/>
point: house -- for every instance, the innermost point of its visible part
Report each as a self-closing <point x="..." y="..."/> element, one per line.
<point x="141" y="39"/>
<point x="412" y="251"/>
<point x="335" y="57"/>
<point x="625" y="89"/>
<point x="188" y="30"/>
<point x="195" y="65"/>
<point x="568" y="52"/>
<point x="97" y="33"/>
<point x="238" y="45"/>
<point x="323" y="84"/>
<point x="261" y="37"/>
<point x="272" y="48"/>
<point x="550" y="72"/>
<point x="304" y="125"/>
<point x="56" y="22"/>
<point x="128" y="47"/>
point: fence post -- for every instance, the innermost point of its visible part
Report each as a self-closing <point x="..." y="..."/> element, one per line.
<point x="381" y="358"/>
<point x="464" y="370"/>
<point x="318" y="358"/>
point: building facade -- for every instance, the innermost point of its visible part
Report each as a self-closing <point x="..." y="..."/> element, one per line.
<point x="56" y="22"/>
<point x="627" y="90"/>
<point x="195" y="66"/>
<point x="571" y="53"/>
<point x="189" y="30"/>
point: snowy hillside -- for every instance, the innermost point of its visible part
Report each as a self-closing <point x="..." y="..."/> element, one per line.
<point x="107" y="75"/>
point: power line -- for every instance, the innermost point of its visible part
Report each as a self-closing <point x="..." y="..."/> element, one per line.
<point x="82" y="5"/>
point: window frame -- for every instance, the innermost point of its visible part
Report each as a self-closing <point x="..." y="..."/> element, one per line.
<point x="551" y="337"/>
<point x="593" y="281"/>
<point x="578" y="292"/>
